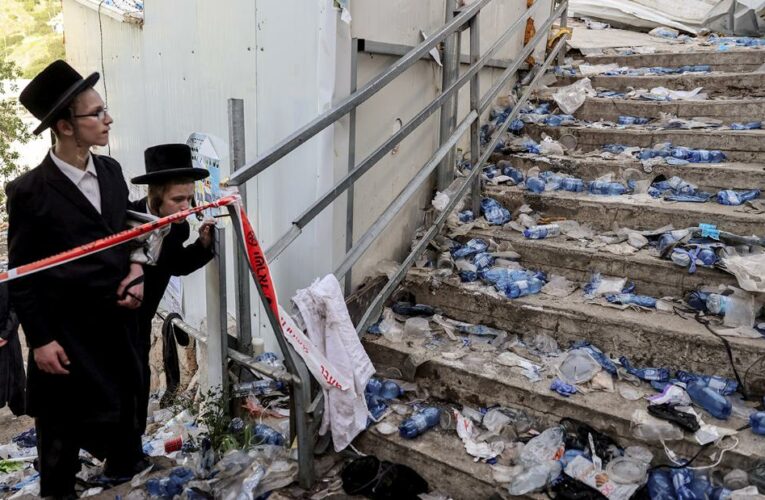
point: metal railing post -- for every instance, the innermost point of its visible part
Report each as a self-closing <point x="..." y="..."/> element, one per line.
<point x="351" y="161"/>
<point x="451" y="61"/>
<point x="563" y="24"/>
<point x="217" y="343"/>
<point x="242" y="275"/>
<point x="475" y="103"/>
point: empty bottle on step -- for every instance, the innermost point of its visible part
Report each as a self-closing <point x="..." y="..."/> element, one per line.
<point x="631" y="298"/>
<point x="263" y="434"/>
<point x="723" y="385"/>
<point x="746" y="126"/>
<point x="648" y="374"/>
<point x="572" y="184"/>
<point x="717" y="304"/>
<point x="660" y="485"/>
<point x="420" y="422"/>
<point x="757" y="421"/>
<point x="632" y="120"/>
<point x="731" y="197"/>
<point x="523" y="288"/>
<point x="542" y="232"/>
<point x="607" y="188"/>
<point x="515" y="175"/>
<point x="535" y="184"/>
<point x="709" y="399"/>
<point x="390" y="390"/>
<point x="705" y="156"/>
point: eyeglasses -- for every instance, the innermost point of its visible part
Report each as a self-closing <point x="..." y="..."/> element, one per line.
<point x="97" y="114"/>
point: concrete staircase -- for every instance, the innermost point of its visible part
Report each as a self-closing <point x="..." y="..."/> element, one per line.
<point x="646" y="338"/>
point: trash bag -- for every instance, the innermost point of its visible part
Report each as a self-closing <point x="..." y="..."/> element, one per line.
<point x="369" y="477"/>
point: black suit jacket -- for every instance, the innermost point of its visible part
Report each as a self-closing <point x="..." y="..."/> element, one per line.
<point x="74" y="304"/>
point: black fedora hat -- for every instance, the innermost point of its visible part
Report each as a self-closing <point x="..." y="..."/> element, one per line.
<point x="169" y="161"/>
<point x="52" y="91"/>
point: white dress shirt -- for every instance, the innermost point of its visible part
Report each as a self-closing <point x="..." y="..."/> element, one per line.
<point x="85" y="180"/>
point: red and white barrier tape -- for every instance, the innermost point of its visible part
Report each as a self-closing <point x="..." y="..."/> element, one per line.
<point x="316" y="362"/>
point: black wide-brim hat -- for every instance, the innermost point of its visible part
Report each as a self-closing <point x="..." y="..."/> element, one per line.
<point x="52" y="91"/>
<point x="167" y="162"/>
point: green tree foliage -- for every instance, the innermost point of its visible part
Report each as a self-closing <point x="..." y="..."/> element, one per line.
<point x="27" y="36"/>
<point x="12" y="129"/>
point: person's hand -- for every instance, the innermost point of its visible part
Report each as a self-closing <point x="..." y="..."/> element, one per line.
<point x="51" y="358"/>
<point x="206" y="233"/>
<point x="131" y="296"/>
<point x="3" y="342"/>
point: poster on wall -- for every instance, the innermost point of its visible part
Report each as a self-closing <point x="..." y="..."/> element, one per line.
<point x="205" y="154"/>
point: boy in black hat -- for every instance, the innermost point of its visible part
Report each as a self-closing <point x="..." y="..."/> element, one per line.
<point x="79" y="318"/>
<point x="170" y="176"/>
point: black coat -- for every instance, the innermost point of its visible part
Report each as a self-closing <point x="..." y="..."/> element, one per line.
<point x="74" y="304"/>
<point x="12" y="376"/>
<point x="175" y="259"/>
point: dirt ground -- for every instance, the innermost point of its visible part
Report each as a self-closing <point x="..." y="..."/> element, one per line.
<point x="11" y="426"/>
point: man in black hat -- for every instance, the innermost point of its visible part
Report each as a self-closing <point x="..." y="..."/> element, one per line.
<point x="80" y="319"/>
<point x="170" y="176"/>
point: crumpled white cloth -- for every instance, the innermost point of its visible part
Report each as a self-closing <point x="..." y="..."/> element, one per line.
<point x="330" y="329"/>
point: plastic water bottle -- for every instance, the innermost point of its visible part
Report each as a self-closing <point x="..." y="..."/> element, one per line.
<point x="515" y="175"/>
<point x="494" y="212"/>
<point x="757" y="421"/>
<point x="746" y="126"/>
<point x="572" y="184"/>
<point x="631" y="298"/>
<point x="648" y="374"/>
<point x="466" y="216"/>
<point x="472" y="247"/>
<point x="542" y="232"/>
<point x="717" y="304"/>
<point x="259" y="387"/>
<point x="535" y="184"/>
<point x="632" y="120"/>
<point x="483" y="260"/>
<point x="596" y="353"/>
<point x="522" y="288"/>
<point x="723" y="385"/>
<point x="709" y="399"/>
<point x="263" y="434"/>
<point x="731" y="197"/>
<point x="374" y="387"/>
<point x="419" y="423"/>
<point x="607" y="188"/>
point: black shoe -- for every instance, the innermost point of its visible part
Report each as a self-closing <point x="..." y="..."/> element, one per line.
<point x="667" y="411"/>
<point x="124" y="473"/>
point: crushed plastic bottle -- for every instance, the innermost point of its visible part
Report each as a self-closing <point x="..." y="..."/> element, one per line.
<point x="494" y="212"/>
<point x="757" y="421"/>
<point x="709" y="399"/>
<point x="466" y="216"/>
<point x="607" y="188"/>
<point x="647" y="374"/>
<point x="542" y="232"/>
<point x="472" y="247"/>
<point x="170" y="486"/>
<point x="572" y="185"/>
<point x="731" y="197"/>
<point x="562" y="388"/>
<point x="723" y="385"/>
<point x="660" y="485"/>
<point x="420" y="422"/>
<point x="717" y="304"/>
<point x="535" y="185"/>
<point x="263" y="434"/>
<point x="631" y="298"/>
<point x="633" y="120"/>
<point x="516" y="176"/>
<point x="746" y="126"/>
<point x="522" y="288"/>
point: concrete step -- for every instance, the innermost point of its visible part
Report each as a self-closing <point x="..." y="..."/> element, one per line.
<point x="438" y="456"/>
<point x="652" y="275"/>
<point x="727" y="110"/>
<point x="744" y="85"/>
<point x="734" y="60"/>
<point x="633" y="211"/>
<point x="650" y="338"/>
<point x="711" y="177"/>
<point x="488" y="383"/>
<point x="738" y="145"/>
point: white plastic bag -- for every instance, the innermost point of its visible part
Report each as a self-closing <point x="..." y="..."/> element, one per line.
<point x="571" y="97"/>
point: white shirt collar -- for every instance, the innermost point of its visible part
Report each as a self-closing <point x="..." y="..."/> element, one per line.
<point x="73" y="173"/>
